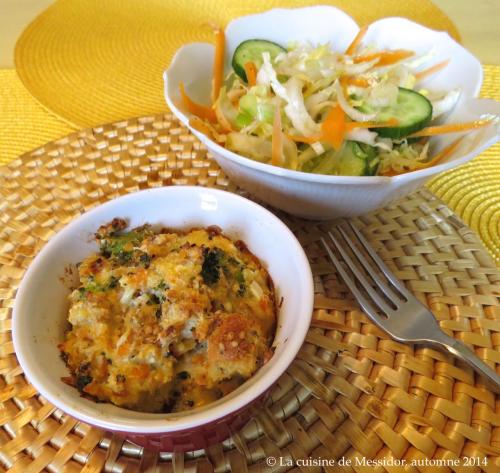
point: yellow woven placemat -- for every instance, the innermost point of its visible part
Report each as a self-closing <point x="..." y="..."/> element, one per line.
<point x="24" y="123"/>
<point x="473" y="190"/>
<point x="97" y="61"/>
<point x="351" y="393"/>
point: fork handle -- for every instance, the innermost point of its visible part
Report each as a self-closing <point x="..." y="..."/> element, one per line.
<point x="460" y="351"/>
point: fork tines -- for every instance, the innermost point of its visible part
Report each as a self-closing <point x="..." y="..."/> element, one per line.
<point x="381" y="296"/>
<point x="364" y="273"/>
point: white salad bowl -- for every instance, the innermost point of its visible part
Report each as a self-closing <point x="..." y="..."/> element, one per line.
<point x="322" y="196"/>
<point x="41" y="306"/>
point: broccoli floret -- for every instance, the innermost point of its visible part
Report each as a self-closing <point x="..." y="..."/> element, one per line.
<point x="121" y="245"/>
<point x="94" y="287"/>
<point x="211" y="265"/>
<point x="240" y="279"/>
<point x="145" y="260"/>
<point x="162" y="285"/>
<point x="215" y="261"/>
<point x="82" y="381"/>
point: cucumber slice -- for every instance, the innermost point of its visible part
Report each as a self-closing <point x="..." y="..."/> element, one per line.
<point x="251" y="50"/>
<point x="357" y="159"/>
<point x="368" y="153"/>
<point x="254" y="147"/>
<point x="412" y="110"/>
<point x="372" y="168"/>
<point x="352" y="167"/>
<point x="323" y="164"/>
<point x="243" y="119"/>
<point x="257" y="108"/>
<point x="353" y="159"/>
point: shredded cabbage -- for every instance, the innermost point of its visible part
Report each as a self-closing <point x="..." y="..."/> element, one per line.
<point x="291" y="93"/>
<point x="404" y="157"/>
<point x="352" y="112"/>
<point x="296" y="109"/>
<point x="309" y="84"/>
<point x="445" y="104"/>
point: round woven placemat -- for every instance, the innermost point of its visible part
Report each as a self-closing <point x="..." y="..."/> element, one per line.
<point x="94" y="61"/>
<point x="24" y="123"/>
<point x="351" y="392"/>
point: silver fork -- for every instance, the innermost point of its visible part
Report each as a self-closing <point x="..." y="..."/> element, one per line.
<point x="390" y="305"/>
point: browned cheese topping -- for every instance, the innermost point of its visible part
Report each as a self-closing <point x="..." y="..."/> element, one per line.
<point x="166" y="321"/>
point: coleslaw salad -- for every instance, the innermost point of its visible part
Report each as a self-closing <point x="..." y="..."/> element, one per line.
<point x="358" y="112"/>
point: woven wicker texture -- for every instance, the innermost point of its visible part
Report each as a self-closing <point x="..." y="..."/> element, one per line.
<point x="94" y="62"/>
<point x="351" y="391"/>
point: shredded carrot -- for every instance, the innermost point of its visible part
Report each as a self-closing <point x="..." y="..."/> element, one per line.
<point x="251" y="72"/>
<point x="202" y="111"/>
<point x="334" y="127"/>
<point x="394" y="56"/>
<point x="387" y="124"/>
<point x="207" y="129"/>
<point x="123" y="349"/>
<point x="357" y="81"/>
<point x="351" y="49"/>
<point x="200" y="125"/>
<point x="198" y="359"/>
<point x="453" y="128"/>
<point x="220" y="46"/>
<point x="305" y="139"/>
<point x="391" y="173"/>
<point x="221" y="117"/>
<point x="140" y="371"/>
<point x="277" y="139"/>
<point x="343" y="84"/>
<point x="347" y="127"/>
<point x="444" y="153"/>
<point x="386" y="58"/>
<point x="431" y="70"/>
